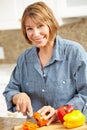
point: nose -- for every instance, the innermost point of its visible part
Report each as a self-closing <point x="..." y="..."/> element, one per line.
<point x="36" y="32"/>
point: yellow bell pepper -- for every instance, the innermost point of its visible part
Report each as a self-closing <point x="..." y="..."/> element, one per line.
<point x="74" y="119"/>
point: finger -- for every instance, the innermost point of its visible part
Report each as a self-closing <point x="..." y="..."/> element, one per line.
<point x="18" y="108"/>
<point x="21" y="106"/>
<point x="24" y="107"/>
<point x="48" y="111"/>
<point x="24" y="113"/>
<point x="30" y="110"/>
<point x="44" y="110"/>
<point x="48" y="116"/>
<point x="51" y="120"/>
<point x="41" y="109"/>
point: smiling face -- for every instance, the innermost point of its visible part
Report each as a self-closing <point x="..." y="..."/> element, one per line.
<point x="39" y="18"/>
<point x="37" y="33"/>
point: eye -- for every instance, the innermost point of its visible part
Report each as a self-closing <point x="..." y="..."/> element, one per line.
<point x="28" y="28"/>
<point x="40" y="26"/>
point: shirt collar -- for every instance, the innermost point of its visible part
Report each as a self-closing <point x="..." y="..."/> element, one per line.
<point x="58" y="54"/>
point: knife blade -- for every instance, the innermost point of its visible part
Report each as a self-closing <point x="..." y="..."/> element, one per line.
<point x="31" y="119"/>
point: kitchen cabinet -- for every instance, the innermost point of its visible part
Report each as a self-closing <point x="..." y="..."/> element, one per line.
<point x="9" y="14"/>
<point x="11" y="11"/>
<point x="71" y="8"/>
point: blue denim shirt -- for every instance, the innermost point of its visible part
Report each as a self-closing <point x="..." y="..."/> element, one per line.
<point x="62" y="81"/>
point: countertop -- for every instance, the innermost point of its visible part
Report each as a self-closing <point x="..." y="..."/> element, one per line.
<point x="10" y="123"/>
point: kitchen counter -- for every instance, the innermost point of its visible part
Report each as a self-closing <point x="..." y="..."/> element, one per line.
<point x="11" y="123"/>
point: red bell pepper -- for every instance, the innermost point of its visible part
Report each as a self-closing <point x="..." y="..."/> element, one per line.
<point x="40" y="119"/>
<point x="63" y="110"/>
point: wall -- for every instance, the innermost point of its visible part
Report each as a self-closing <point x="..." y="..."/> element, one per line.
<point x="14" y="43"/>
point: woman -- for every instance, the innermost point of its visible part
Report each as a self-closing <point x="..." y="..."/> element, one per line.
<point x="52" y="73"/>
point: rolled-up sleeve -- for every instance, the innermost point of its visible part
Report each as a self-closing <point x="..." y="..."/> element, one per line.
<point x="80" y="98"/>
<point x="12" y="88"/>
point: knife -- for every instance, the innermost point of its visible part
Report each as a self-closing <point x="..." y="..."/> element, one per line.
<point x="31" y="119"/>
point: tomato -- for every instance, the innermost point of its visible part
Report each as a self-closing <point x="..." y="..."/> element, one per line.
<point x="63" y="110"/>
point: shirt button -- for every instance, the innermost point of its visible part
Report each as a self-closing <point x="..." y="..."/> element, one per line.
<point x="43" y="90"/>
<point x="27" y="83"/>
<point x="44" y="75"/>
<point x="64" y="82"/>
<point x="86" y="104"/>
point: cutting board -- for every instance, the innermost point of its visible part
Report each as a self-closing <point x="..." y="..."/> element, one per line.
<point x="55" y="126"/>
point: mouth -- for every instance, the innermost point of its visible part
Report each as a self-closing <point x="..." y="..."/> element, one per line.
<point x="39" y="39"/>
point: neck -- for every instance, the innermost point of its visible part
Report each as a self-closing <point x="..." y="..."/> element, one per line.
<point x="45" y="54"/>
<point x="46" y="49"/>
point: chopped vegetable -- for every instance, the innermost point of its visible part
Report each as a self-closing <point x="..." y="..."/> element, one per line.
<point x="40" y="119"/>
<point x="29" y="126"/>
<point x="74" y="119"/>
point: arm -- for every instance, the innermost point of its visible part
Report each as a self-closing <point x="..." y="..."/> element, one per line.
<point x="80" y="99"/>
<point x="16" y="98"/>
<point x="12" y="88"/>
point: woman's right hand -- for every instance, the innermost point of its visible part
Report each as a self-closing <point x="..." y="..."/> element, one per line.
<point x="23" y="103"/>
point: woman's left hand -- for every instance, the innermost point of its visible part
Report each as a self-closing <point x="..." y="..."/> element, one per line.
<point x="50" y="113"/>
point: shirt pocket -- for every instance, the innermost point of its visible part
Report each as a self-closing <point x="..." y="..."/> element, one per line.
<point x="62" y="91"/>
<point x="66" y="87"/>
<point x="31" y="87"/>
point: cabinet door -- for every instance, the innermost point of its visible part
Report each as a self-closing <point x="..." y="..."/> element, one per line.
<point x="9" y="14"/>
<point x="71" y="8"/>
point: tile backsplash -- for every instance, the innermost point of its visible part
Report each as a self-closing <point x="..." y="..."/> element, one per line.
<point x="13" y="42"/>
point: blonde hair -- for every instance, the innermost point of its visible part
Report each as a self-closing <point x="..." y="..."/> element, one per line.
<point x="40" y="12"/>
